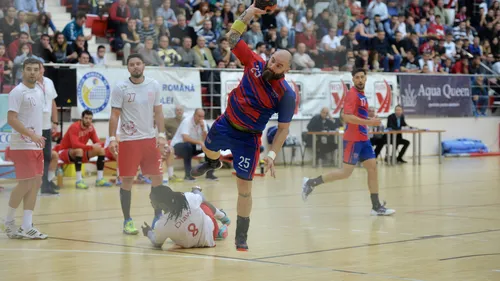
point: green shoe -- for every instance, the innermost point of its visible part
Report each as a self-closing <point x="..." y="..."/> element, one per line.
<point x="102" y="183"/>
<point x="129" y="227"/>
<point x="81" y="185"/>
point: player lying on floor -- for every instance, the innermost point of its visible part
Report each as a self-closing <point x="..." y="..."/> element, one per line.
<point x="188" y="219"/>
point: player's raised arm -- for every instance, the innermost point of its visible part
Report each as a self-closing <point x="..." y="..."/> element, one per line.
<point x="240" y="25"/>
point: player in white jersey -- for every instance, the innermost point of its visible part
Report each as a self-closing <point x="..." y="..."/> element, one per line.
<point x="189" y="220"/>
<point x="25" y="115"/>
<point x="136" y="102"/>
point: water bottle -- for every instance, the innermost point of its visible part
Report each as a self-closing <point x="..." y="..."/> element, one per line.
<point x="59" y="176"/>
<point x="261" y="167"/>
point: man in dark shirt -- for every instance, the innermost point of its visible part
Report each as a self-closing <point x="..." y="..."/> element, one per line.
<point x="410" y="64"/>
<point x="9" y="26"/>
<point x="180" y="31"/>
<point x="380" y="44"/>
<point x="399" y="45"/>
<point x="319" y="123"/>
<point x="44" y="50"/>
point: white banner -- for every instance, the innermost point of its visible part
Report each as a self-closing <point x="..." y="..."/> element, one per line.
<point x="178" y="86"/>
<point x="317" y="90"/>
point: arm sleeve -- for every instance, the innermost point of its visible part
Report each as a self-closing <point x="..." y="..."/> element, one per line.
<point x="350" y="104"/>
<point x="286" y="107"/>
<point x="15" y="101"/>
<point x="94" y="137"/>
<point x="244" y="54"/>
<point x="193" y="199"/>
<point x="157" y="93"/>
<point x="116" y="97"/>
<point x="403" y="122"/>
<point x="75" y="142"/>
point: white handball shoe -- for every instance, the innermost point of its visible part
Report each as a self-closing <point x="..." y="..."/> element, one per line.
<point x="33" y="234"/>
<point x="11" y="230"/>
<point x="382" y="211"/>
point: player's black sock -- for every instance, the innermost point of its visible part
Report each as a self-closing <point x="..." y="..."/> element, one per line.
<point x="375" y="202"/>
<point x="78" y="163"/>
<point x="125" y="199"/>
<point x="316" y="181"/>
<point x="100" y="163"/>
<point x="242" y="225"/>
<point x="213" y="163"/>
<point x="158" y="212"/>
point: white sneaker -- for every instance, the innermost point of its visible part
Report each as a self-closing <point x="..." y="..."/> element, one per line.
<point x="11" y="230"/>
<point x="382" y="211"/>
<point x="306" y="189"/>
<point x="33" y="233"/>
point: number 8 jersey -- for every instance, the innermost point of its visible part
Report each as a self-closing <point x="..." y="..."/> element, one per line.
<point x="193" y="228"/>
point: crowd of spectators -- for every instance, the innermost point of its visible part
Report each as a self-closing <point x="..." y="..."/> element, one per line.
<point x="417" y="36"/>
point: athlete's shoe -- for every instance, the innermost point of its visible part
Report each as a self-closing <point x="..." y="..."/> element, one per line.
<point x="225" y="220"/>
<point x="118" y="182"/>
<point x="202" y="168"/>
<point x="143" y="179"/>
<point x="129" y="227"/>
<point x="222" y="232"/>
<point x="32" y="233"/>
<point x="103" y="183"/>
<point x="306" y="189"/>
<point x="241" y="243"/>
<point x="174" y="179"/>
<point x="11" y="230"/>
<point x="156" y="218"/>
<point x="81" y="185"/>
<point x="382" y="211"/>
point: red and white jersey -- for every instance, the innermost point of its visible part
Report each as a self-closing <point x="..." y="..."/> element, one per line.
<point x="193" y="229"/>
<point x="29" y="104"/>
<point x="137" y="102"/>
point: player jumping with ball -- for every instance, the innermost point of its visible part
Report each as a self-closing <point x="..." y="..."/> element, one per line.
<point x="357" y="146"/>
<point x="261" y="93"/>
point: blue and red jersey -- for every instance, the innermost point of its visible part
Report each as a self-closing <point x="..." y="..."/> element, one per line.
<point x="356" y="104"/>
<point x="252" y="103"/>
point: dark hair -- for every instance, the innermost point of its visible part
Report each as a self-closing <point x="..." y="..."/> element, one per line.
<point x="358" y="70"/>
<point x="81" y="15"/>
<point x="23" y="33"/>
<point x="87" y="112"/>
<point x="31" y="61"/>
<point x="84" y="53"/>
<point x="45" y="35"/>
<point x="101" y="47"/>
<point x="223" y="39"/>
<point x="171" y="202"/>
<point x="136" y="56"/>
<point x="398" y="106"/>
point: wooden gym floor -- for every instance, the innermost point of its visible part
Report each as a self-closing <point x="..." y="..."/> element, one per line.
<point x="447" y="228"/>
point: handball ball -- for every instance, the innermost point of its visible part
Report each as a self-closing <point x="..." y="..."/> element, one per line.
<point x="267" y="5"/>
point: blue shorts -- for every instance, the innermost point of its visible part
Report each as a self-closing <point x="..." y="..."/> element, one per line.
<point x="245" y="147"/>
<point x="357" y="151"/>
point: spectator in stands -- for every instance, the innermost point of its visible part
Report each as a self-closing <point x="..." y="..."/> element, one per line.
<point x="363" y="34"/>
<point x="436" y="29"/>
<point x="227" y="15"/>
<point x="460" y="31"/>
<point x="200" y="16"/>
<point x="150" y="55"/>
<point x="84" y="59"/>
<point x="75" y="28"/>
<point x="135" y="11"/>
<point x="147" y="30"/>
<point x="301" y="60"/>
<point x="39" y="26"/>
<point x="410" y="64"/>
<point x="426" y="60"/>
<point x="29" y="7"/>
<point x="427" y="46"/>
<point x="171" y="126"/>
<point x="208" y="34"/>
<point x="350" y="43"/>
<point x="146" y="10"/>
<point x="99" y="58"/>
<point x="189" y="140"/>
<point x="159" y="28"/>
<point x="421" y="28"/>
<point x="439" y="10"/>
<point x="60" y="48"/>
<point x="305" y="22"/>
<point x="462" y="66"/>
<point x="323" y="24"/>
<point x="76" y="49"/>
<point x="23" y="54"/>
<point x="119" y="13"/>
<point x="396" y="122"/>
<point x="392" y="8"/>
<point x="476" y="67"/>
<point x="307" y="38"/>
<point x="449" y="45"/>
<point x="181" y="30"/>
<point x="390" y="27"/>
<point x="223" y="52"/>
<point x="378" y="7"/>
<point x="23" y="26"/>
<point x="203" y="55"/>
<point x="44" y="50"/>
<point x="254" y="35"/>
<point x="479" y="96"/>
<point x="14" y="47"/>
<point x="285" y="18"/>
<point x="398" y="45"/>
<point x="6" y="67"/>
<point x="475" y="47"/>
<point x="461" y="16"/>
<point x="415" y="10"/>
<point x="488" y="33"/>
<point x="217" y="23"/>
<point x="131" y="40"/>
<point x="167" y="14"/>
<point x="169" y="56"/>
<point x="440" y="50"/>
<point x="271" y="38"/>
<point x="376" y="24"/>
<point x="385" y="52"/>
<point x="333" y="50"/>
<point x="320" y="123"/>
<point x="285" y="40"/>
<point x="187" y="54"/>
<point x="10" y="26"/>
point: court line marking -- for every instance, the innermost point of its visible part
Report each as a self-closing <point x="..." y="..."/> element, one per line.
<point x="206" y="257"/>
<point x="378" y="244"/>
<point x="456" y="216"/>
<point x="469" y="256"/>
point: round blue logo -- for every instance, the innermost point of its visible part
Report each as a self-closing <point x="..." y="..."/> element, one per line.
<point x="93" y="92"/>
